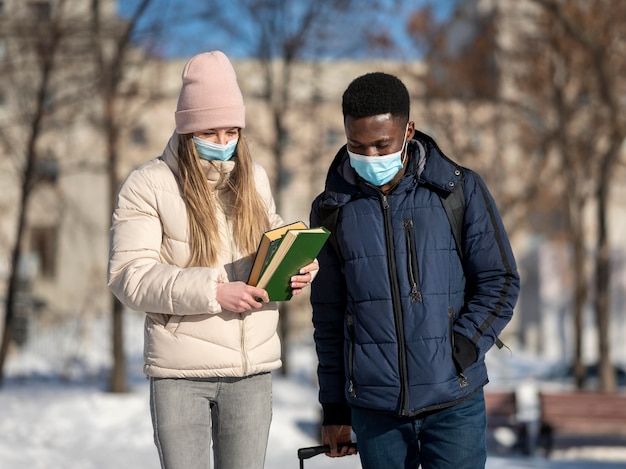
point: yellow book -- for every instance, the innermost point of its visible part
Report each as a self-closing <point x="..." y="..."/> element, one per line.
<point x="267" y="246"/>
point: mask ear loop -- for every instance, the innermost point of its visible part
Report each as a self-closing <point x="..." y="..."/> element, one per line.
<point x="406" y="153"/>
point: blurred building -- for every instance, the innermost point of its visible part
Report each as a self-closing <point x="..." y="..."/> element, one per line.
<point x="65" y="240"/>
<point x="52" y="152"/>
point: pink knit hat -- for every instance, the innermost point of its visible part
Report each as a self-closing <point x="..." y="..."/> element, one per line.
<point x="210" y="97"/>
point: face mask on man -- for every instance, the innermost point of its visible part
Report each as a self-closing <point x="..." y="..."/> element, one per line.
<point x="215" y="151"/>
<point x="378" y="170"/>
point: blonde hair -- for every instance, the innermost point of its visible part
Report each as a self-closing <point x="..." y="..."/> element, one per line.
<point x="249" y="216"/>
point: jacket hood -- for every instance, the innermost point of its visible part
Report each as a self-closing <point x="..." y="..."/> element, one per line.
<point x="427" y="165"/>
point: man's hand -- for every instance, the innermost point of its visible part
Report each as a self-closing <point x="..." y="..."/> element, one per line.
<point x="334" y="436"/>
<point x="240" y="297"/>
<point x="304" y="277"/>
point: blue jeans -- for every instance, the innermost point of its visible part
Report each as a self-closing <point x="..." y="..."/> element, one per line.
<point x="451" y="438"/>
<point x="234" y="412"/>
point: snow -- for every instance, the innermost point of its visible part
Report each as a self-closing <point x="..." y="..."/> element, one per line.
<point x="49" y="422"/>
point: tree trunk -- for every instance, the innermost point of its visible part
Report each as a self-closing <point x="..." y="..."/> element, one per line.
<point x="118" y="373"/>
<point x="580" y="289"/>
<point x="110" y="75"/>
<point x="281" y="183"/>
<point x="47" y="63"/>
<point x="9" y="314"/>
<point x="9" y="311"/>
<point x="603" y="276"/>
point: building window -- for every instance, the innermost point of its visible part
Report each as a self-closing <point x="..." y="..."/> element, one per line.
<point x="3" y="48"/>
<point x="138" y="136"/>
<point x="41" y="10"/>
<point x="285" y="138"/>
<point x="48" y="105"/>
<point x="333" y="137"/>
<point x="47" y="169"/>
<point x="43" y="245"/>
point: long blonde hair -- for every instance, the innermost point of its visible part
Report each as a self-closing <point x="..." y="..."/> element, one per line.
<point x="249" y="216"/>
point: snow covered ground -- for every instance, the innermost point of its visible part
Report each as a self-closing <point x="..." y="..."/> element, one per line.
<point x="48" y="423"/>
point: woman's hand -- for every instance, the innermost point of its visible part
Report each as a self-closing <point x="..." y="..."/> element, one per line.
<point x="304" y="278"/>
<point x="240" y="297"/>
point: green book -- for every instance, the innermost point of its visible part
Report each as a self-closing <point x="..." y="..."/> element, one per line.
<point x="297" y="248"/>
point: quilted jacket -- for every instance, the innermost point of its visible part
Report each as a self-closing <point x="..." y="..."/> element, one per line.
<point x="388" y="314"/>
<point x="187" y="333"/>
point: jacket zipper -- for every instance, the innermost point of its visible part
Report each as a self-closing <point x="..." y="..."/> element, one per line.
<point x="397" y="306"/>
<point x="242" y="317"/>
<point x="451" y="324"/>
<point x="414" y="277"/>
<point x="351" y="386"/>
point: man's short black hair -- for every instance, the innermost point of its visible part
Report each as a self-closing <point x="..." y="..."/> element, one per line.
<point x="376" y="93"/>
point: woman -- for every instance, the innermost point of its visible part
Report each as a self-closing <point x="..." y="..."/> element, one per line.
<point x="184" y="232"/>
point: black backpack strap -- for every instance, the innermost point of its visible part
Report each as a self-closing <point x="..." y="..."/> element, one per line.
<point x="454" y="205"/>
<point x="328" y="219"/>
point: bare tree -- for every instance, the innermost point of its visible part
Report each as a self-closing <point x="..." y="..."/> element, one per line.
<point x="39" y="52"/>
<point x="459" y="104"/>
<point x="114" y="57"/>
<point x="593" y="33"/>
<point x="546" y="108"/>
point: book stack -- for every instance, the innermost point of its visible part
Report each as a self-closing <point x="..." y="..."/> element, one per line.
<point x="281" y="254"/>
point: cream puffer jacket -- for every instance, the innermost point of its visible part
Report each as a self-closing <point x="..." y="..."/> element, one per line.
<point x="187" y="333"/>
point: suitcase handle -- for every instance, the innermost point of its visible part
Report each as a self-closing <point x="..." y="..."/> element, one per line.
<point x="306" y="453"/>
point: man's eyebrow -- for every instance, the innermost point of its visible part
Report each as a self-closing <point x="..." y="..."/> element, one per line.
<point x="374" y="142"/>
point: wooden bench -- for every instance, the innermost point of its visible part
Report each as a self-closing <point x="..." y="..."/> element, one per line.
<point x="581" y="413"/>
<point x="502" y="411"/>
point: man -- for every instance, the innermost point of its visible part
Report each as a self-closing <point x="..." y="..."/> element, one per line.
<point x="402" y="319"/>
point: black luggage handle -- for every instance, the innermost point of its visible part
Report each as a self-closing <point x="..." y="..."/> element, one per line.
<point x="306" y="453"/>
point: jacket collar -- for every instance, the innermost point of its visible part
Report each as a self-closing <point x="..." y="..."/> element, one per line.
<point x="428" y="165"/>
<point x="439" y="171"/>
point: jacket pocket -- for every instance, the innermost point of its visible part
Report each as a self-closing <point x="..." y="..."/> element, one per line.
<point x="413" y="268"/>
<point x="461" y="378"/>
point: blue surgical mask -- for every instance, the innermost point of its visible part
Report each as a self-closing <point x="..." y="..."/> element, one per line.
<point x="215" y="151"/>
<point x="378" y="170"/>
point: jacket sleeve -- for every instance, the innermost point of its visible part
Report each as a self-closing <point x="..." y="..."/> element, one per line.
<point x="328" y="300"/>
<point x="137" y="275"/>
<point x="491" y="273"/>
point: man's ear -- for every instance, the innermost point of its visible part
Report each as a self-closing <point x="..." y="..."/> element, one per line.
<point x="410" y="131"/>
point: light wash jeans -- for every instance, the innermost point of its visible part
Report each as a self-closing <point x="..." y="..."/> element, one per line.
<point x="451" y="438"/>
<point x="235" y="412"/>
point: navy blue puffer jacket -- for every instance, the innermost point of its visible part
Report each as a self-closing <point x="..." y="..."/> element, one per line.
<point x="388" y="315"/>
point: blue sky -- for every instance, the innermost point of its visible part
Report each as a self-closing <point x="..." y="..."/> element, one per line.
<point x="185" y="35"/>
